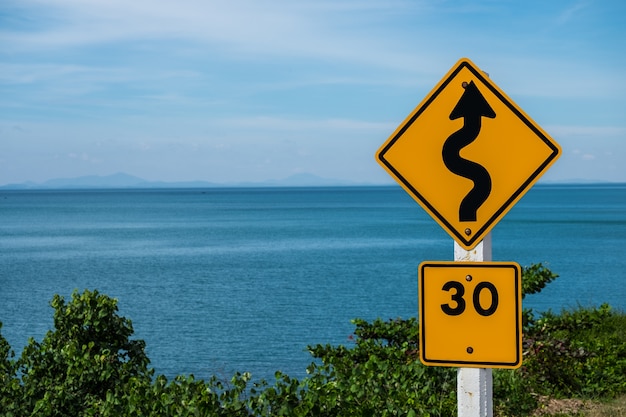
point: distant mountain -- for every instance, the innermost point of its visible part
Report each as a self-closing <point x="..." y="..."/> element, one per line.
<point x="122" y="180"/>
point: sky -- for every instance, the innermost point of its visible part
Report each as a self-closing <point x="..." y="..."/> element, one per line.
<point x="252" y="90"/>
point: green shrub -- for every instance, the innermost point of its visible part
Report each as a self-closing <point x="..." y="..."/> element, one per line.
<point x="88" y="365"/>
<point x="535" y="277"/>
<point x="578" y="353"/>
<point x="86" y="357"/>
<point x="10" y="388"/>
<point x="182" y="397"/>
<point x="382" y="374"/>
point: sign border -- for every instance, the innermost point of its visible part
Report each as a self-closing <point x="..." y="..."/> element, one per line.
<point x="518" y="319"/>
<point x="491" y="222"/>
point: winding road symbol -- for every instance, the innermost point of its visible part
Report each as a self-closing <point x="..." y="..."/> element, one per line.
<point x="467" y="153"/>
<point x="472" y="107"/>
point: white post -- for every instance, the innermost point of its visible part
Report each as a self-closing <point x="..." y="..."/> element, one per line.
<point x="474" y="385"/>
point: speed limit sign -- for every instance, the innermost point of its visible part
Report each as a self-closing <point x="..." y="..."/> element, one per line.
<point x="470" y="314"/>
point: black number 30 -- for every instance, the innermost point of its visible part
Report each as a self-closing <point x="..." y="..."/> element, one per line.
<point x="459" y="301"/>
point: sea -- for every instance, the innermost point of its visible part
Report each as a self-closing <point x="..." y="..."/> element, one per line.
<point x="225" y="280"/>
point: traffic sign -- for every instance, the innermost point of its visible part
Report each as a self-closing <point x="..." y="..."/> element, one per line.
<point x="470" y="314"/>
<point x="467" y="153"/>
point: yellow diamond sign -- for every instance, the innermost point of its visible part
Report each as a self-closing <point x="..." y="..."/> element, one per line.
<point x="467" y="153"/>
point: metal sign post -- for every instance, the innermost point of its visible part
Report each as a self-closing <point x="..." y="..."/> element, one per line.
<point x="474" y="385"/>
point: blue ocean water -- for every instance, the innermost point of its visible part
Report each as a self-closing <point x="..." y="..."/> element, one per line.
<point x="225" y="280"/>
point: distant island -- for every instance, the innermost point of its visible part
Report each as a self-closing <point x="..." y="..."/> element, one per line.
<point x="123" y="180"/>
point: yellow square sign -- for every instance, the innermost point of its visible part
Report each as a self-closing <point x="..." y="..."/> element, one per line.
<point x="467" y="153"/>
<point x="470" y="314"/>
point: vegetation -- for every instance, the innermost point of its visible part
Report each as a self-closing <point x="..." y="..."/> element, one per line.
<point x="88" y="365"/>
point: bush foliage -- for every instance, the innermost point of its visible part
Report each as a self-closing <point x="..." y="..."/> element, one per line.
<point x="88" y="365"/>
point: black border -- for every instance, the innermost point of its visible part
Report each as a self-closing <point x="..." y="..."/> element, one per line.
<point x="475" y="239"/>
<point x="518" y="309"/>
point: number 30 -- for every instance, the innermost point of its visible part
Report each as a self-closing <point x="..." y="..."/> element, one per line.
<point x="459" y="301"/>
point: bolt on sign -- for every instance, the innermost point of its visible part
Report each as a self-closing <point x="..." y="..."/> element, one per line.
<point x="467" y="153"/>
<point x="470" y="314"/>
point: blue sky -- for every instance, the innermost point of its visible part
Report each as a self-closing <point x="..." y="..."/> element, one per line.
<point x="248" y="90"/>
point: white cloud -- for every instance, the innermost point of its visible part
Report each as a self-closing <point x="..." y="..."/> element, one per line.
<point x="587" y="131"/>
<point x="241" y="29"/>
<point x="281" y="124"/>
<point x="344" y="32"/>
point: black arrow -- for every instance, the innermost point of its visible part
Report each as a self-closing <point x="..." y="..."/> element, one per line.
<point x="472" y="106"/>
